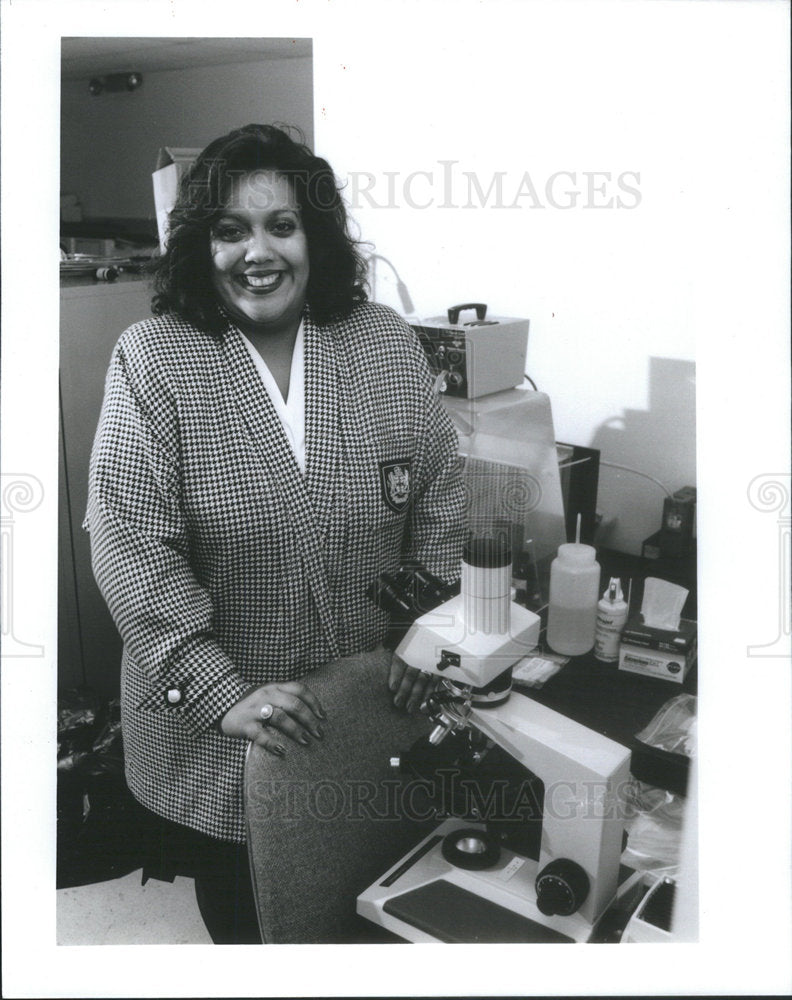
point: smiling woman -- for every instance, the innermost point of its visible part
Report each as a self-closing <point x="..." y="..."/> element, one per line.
<point x="237" y="508"/>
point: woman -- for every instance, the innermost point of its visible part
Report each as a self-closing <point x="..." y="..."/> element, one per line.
<point x="269" y="443"/>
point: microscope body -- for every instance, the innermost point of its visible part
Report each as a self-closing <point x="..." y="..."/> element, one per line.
<point x="462" y="872"/>
<point x="584" y="775"/>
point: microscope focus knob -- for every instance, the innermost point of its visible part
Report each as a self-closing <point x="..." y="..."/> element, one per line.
<point x="561" y="888"/>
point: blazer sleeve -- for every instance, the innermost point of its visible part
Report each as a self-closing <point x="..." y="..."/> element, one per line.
<point x="140" y="550"/>
<point x="438" y="511"/>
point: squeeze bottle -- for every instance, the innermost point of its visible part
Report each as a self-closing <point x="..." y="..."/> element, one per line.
<point x="572" y="611"/>
<point x="611" y="617"/>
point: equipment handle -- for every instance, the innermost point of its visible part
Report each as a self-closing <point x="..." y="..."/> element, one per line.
<point x="454" y="311"/>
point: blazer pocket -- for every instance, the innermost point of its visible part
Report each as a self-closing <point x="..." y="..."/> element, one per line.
<point x="387" y="490"/>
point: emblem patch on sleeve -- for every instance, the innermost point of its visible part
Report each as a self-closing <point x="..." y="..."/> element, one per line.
<point x="395" y="483"/>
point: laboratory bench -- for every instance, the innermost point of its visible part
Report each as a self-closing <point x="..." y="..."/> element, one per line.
<point x="617" y="703"/>
<point x="610" y="701"/>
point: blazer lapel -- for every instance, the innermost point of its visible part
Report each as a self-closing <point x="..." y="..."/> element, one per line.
<point x="322" y="422"/>
<point x="263" y="423"/>
<point x="255" y="405"/>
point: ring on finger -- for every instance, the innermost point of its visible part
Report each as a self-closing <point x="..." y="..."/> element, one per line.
<point x="265" y="713"/>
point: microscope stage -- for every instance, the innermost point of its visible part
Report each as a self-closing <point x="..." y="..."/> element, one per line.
<point x="457" y="916"/>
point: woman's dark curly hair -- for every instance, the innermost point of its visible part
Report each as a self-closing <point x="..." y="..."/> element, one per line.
<point x="183" y="274"/>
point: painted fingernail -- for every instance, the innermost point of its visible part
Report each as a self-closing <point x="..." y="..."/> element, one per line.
<point x="398" y="702"/>
<point x="279" y="749"/>
<point x="304" y="740"/>
<point x="317" y="733"/>
<point x="321" y="714"/>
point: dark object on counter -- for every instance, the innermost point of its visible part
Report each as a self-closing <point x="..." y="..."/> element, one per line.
<point x="102" y="831"/>
<point x="579" y="471"/>
<point x="662" y="750"/>
<point x="406" y="595"/>
<point x="676" y="533"/>
<point x="674" y="540"/>
<point x="660" y="768"/>
<point x="650" y="548"/>
<point x="611" y="927"/>
<point x="658" y="909"/>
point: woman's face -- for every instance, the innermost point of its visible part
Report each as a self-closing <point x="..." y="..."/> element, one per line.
<point x="259" y="253"/>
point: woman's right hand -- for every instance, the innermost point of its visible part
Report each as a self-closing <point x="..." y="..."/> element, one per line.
<point x="296" y="712"/>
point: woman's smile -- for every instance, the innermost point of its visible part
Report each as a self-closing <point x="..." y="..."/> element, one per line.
<point x="261" y="283"/>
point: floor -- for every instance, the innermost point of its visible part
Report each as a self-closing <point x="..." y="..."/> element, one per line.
<point x="122" y="911"/>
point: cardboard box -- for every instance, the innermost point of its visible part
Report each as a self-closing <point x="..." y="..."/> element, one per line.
<point x="658" y="652"/>
<point x="172" y="164"/>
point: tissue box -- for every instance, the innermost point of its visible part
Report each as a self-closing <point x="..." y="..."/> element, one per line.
<point x="172" y="163"/>
<point x="658" y="652"/>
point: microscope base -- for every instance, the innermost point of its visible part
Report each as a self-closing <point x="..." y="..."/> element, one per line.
<point x="424" y="898"/>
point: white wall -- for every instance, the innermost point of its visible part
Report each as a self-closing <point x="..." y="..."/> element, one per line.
<point x="515" y="88"/>
<point x="110" y="142"/>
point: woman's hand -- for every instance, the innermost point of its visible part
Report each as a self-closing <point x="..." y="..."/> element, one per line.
<point x="410" y="686"/>
<point x="295" y="713"/>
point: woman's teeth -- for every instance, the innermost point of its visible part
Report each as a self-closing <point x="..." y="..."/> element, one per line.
<point x="260" y="281"/>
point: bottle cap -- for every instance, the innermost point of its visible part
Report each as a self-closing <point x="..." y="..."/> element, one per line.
<point x="613" y="592"/>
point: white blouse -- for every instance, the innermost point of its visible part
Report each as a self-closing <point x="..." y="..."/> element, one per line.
<point x="291" y="412"/>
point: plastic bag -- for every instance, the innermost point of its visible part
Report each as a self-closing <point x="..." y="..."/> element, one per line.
<point x="654" y="827"/>
<point x="654" y="815"/>
<point x="673" y="729"/>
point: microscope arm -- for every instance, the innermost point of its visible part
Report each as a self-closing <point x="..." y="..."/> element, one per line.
<point x="583" y="774"/>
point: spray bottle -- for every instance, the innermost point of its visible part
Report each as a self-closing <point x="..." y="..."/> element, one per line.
<point x="611" y="618"/>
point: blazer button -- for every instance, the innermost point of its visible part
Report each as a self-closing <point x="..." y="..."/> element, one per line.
<point x="174" y="696"/>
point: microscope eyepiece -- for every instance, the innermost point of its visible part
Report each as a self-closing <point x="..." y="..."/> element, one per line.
<point x="488" y="552"/>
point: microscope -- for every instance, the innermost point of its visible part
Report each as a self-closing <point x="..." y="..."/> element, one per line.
<point x="531" y="846"/>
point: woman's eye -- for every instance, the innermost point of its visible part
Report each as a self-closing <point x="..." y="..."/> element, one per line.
<point x="229" y="234"/>
<point x="284" y="227"/>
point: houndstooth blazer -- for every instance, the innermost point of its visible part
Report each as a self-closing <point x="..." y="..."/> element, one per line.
<point x="222" y="565"/>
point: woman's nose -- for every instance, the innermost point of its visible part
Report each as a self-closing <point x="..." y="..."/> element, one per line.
<point x="259" y="247"/>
